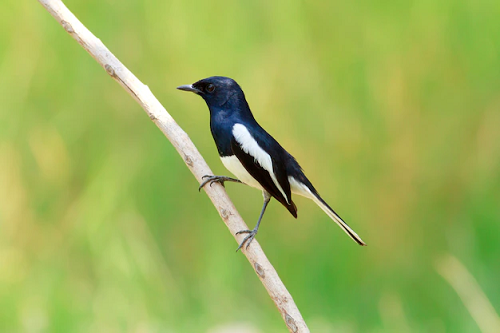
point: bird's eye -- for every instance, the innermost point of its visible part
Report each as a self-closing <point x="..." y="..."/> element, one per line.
<point x="210" y="88"/>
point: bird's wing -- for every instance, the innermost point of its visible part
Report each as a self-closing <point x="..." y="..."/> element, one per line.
<point x="271" y="174"/>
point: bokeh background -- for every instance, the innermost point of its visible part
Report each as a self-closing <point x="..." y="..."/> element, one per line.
<point x="392" y="108"/>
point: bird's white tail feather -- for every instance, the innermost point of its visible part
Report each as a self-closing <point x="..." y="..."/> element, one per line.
<point x="338" y="220"/>
<point x="301" y="189"/>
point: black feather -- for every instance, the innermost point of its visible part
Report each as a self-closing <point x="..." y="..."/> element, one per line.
<point x="262" y="176"/>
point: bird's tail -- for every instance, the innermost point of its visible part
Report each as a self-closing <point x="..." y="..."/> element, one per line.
<point x="302" y="186"/>
<point x="334" y="216"/>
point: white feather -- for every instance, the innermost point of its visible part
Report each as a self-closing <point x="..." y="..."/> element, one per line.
<point x="233" y="164"/>
<point x="299" y="188"/>
<point x="251" y="147"/>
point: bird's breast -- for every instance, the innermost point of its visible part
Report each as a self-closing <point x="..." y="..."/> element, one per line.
<point x="233" y="164"/>
<point x="221" y="132"/>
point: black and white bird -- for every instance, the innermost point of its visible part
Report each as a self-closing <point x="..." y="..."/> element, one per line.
<point x="252" y="155"/>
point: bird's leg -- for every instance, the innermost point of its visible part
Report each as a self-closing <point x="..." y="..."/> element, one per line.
<point x="251" y="233"/>
<point x="217" y="179"/>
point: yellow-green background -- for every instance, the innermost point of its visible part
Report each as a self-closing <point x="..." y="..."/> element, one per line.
<point x="392" y="108"/>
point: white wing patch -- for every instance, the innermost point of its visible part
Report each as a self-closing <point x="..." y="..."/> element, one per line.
<point x="252" y="148"/>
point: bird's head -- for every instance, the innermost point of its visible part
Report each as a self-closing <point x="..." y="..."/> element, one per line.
<point x="216" y="90"/>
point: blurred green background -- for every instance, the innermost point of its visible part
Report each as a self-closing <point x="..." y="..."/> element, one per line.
<point x="392" y="109"/>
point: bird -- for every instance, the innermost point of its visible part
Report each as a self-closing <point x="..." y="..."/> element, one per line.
<point x="253" y="155"/>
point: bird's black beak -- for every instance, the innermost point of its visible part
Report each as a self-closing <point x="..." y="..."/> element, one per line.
<point x="189" y="87"/>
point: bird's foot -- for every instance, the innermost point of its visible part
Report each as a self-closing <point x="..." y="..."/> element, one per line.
<point x="248" y="239"/>
<point x="216" y="179"/>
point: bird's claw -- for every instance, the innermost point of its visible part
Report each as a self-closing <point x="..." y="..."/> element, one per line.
<point x="211" y="180"/>
<point x="248" y="239"/>
<point x="216" y="179"/>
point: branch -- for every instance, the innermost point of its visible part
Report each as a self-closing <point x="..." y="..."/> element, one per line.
<point x="185" y="147"/>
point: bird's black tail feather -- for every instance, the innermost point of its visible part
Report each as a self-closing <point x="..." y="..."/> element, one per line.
<point x="334" y="216"/>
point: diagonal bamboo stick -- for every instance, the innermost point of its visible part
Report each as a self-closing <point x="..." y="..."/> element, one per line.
<point x="185" y="147"/>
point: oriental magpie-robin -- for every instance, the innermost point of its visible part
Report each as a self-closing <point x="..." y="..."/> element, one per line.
<point x="253" y="155"/>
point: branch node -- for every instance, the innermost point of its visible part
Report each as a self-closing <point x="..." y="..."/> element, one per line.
<point x="260" y="270"/>
<point x="224" y="214"/>
<point x="290" y="322"/>
<point x="67" y="26"/>
<point x="110" y="70"/>
<point x="188" y="159"/>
